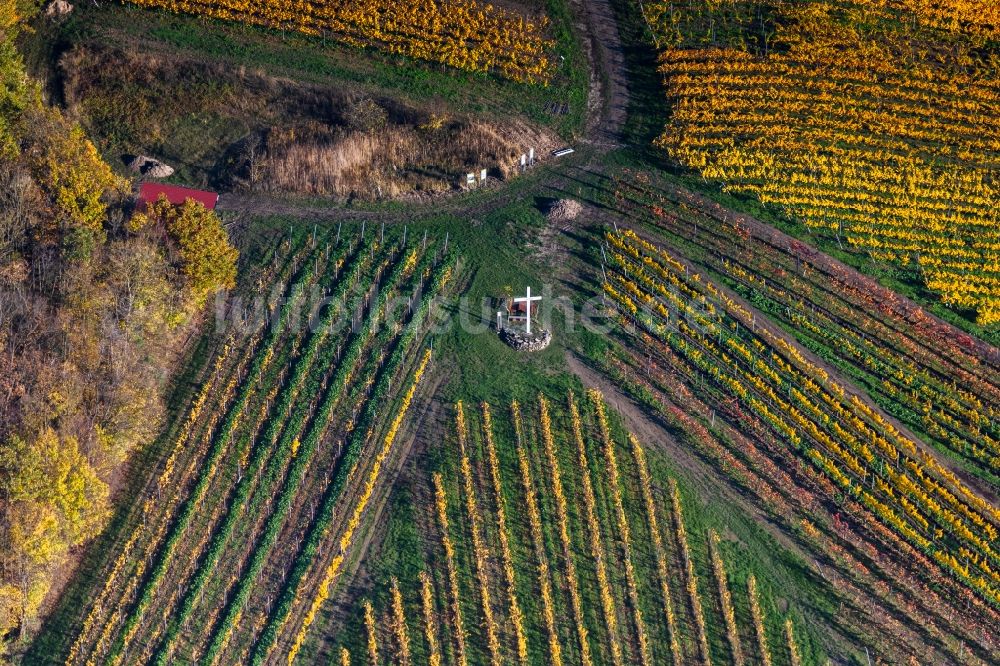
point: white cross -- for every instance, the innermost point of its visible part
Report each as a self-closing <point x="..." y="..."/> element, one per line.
<point x="527" y="300"/>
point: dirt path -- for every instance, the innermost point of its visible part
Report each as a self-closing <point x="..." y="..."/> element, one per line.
<point x="609" y="98"/>
<point x="607" y="112"/>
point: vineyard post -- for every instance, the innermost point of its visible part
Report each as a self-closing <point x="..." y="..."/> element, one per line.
<point x="339" y="225"/>
<point x="404" y="235"/>
<point x="425" y="241"/>
<point x="381" y="239"/>
<point x="363" y="222"/>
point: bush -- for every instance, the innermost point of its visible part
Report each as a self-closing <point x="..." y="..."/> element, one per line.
<point x="207" y="260"/>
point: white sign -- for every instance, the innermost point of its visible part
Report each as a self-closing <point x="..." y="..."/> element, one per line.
<point x="524" y="160"/>
<point x="482" y="176"/>
<point x="470" y="179"/>
<point x="531" y="156"/>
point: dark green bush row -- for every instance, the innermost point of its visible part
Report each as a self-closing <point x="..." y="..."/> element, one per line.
<point x="306" y="448"/>
<point x="374" y="409"/>
<point x="219" y="442"/>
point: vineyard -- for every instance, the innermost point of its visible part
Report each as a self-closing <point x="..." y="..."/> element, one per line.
<point x="940" y="385"/>
<point x="459" y="33"/>
<point x="833" y="119"/>
<point x="788" y="432"/>
<point x="555" y="541"/>
<point x="242" y="531"/>
<point x="598" y="410"/>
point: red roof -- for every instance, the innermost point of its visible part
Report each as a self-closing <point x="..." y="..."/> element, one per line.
<point x="175" y="194"/>
<point x="519" y="307"/>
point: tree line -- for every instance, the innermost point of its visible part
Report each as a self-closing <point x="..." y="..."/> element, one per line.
<point x="94" y="304"/>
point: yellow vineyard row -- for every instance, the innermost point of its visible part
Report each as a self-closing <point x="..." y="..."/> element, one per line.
<point x="459" y="33"/>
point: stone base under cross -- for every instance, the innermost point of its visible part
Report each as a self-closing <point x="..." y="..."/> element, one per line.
<point x="522" y="341"/>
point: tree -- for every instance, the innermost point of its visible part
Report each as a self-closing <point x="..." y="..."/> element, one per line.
<point x="51" y="472"/>
<point x="10" y="608"/>
<point x="89" y="316"/>
<point x="208" y="261"/>
<point x="70" y="170"/>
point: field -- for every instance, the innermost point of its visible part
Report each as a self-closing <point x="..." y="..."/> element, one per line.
<point x="600" y="565"/>
<point x="764" y="427"/>
<point x="459" y="33"/>
<point x="283" y="432"/>
<point x="892" y="160"/>
<point x="939" y="384"/>
<point x="798" y="438"/>
<point x="688" y="318"/>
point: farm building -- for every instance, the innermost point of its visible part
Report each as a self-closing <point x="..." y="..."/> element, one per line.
<point x="175" y="194"/>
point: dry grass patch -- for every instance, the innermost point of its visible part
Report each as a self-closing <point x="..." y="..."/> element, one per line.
<point x="389" y="161"/>
<point x="245" y="131"/>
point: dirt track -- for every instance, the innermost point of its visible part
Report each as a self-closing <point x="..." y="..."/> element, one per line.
<point x="604" y="126"/>
<point x="607" y="113"/>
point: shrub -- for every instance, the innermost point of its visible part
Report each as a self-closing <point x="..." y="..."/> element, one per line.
<point x="207" y="260"/>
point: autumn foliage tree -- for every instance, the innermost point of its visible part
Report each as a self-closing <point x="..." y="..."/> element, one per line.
<point x="91" y="314"/>
<point x="71" y="171"/>
<point x="207" y="260"/>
